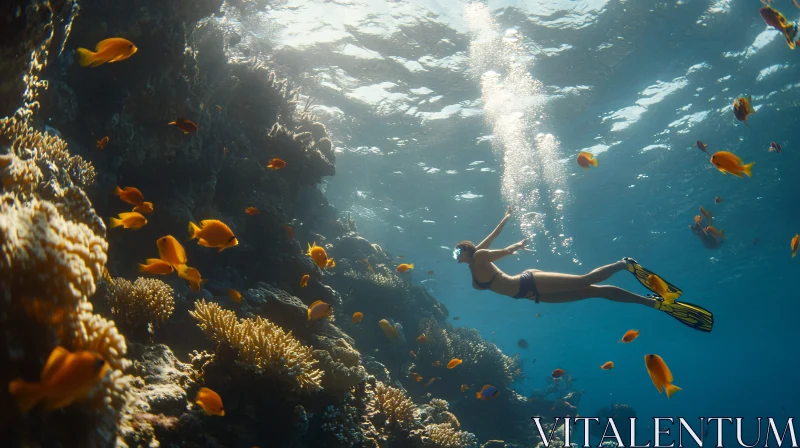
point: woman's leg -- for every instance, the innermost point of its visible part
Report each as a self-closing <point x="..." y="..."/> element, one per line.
<point x="612" y="293"/>
<point x="554" y="282"/>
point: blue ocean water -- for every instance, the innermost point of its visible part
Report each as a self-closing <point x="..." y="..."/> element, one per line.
<point x="445" y="112"/>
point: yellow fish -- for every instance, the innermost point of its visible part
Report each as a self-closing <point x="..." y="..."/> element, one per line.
<point x="66" y="378"/>
<point x="214" y="233"/>
<point x="318" y="310"/>
<point x="156" y="266"/>
<point x="320" y="257"/>
<point x="130" y="220"/>
<point x="210" y="401"/>
<point x="235" y="295"/>
<point x="660" y="374"/>
<point x="110" y="50"/>
<point x="171" y="251"/>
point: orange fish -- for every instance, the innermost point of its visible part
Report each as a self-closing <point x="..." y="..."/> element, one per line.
<point x="775" y="19"/>
<point x="252" y="211"/>
<point x="130" y="220"/>
<point x="454" y="363"/>
<point x="660" y="287"/>
<point x="391" y="332"/>
<point x="357" y="316"/>
<point x="318" y="310"/>
<point x="775" y="147"/>
<point x="607" y="366"/>
<point x="557" y="373"/>
<point x="66" y="378"/>
<point x="412" y="354"/>
<point x="235" y="295"/>
<point x="214" y="233"/>
<point x="629" y="336"/>
<point x="430" y="381"/>
<point x="702" y="146"/>
<point x="304" y="281"/>
<point x="289" y="231"/>
<point x="320" y="257"/>
<point x="464" y="388"/>
<point x="586" y="159"/>
<point x="144" y="207"/>
<point x="742" y="108"/>
<point x="795" y="242"/>
<point x="192" y="275"/>
<point x="421" y="339"/>
<point x="131" y="195"/>
<point x="416" y="376"/>
<point x="171" y="251"/>
<point x="727" y="162"/>
<point x="698" y="220"/>
<point x="110" y="50"/>
<point x="185" y="125"/>
<point x="436" y="363"/>
<point x="431" y="273"/>
<point x="210" y="402"/>
<point x="276" y="164"/>
<point x="487" y="392"/>
<point x="156" y="266"/>
<point x="717" y="234"/>
<point x="102" y="142"/>
<point x="405" y="267"/>
<point x="717" y="200"/>
<point x="660" y="374"/>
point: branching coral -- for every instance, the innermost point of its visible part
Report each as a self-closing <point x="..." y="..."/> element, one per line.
<point x="437" y="412"/>
<point x="45" y="256"/>
<point x="468" y="345"/>
<point x="443" y="436"/>
<point x="147" y="301"/>
<point x="342" y="366"/>
<point x="395" y="408"/>
<point x="260" y="344"/>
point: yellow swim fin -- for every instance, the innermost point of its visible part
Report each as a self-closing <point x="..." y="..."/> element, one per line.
<point x="689" y="314"/>
<point x="643" y="274"/>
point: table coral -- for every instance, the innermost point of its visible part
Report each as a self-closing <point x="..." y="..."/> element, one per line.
<point x="260" y="344"/>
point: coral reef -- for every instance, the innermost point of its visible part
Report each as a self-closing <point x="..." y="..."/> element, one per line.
<point x="443" y="435"/>
<point x="145" y="302"/>
<point x="395" y="409"/>
<point x="261" y="345"/>
<point x="285" y="381"/>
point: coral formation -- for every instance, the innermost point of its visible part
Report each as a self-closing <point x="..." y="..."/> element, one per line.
<point x="443" y="435"/>
<point x="261" y="345"/>
<point x="45" y="255"/>
<point x="396" y="410"/>
<point x="147" y="301"/>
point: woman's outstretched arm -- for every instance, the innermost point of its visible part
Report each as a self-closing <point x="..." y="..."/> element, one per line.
<point x="488" y="240"/>
<point x="494" y="255"/>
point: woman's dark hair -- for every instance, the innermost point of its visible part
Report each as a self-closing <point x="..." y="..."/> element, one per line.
<point x="467" y="246"/>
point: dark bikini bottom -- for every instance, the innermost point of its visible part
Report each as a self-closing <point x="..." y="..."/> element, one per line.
<point x="527" y="287"/>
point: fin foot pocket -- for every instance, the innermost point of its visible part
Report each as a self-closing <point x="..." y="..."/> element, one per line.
<point x="689" y="314"/>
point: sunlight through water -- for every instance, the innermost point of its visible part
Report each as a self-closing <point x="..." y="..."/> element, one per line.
<point x="534" y="178"/>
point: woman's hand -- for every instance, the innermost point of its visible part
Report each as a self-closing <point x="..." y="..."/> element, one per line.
<point x="518" y="246"/>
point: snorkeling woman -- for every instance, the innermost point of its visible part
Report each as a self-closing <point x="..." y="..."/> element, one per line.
<point x="554" y="287"/>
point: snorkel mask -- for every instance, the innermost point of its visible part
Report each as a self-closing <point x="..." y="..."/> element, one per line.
<point x="456" y="253"/>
